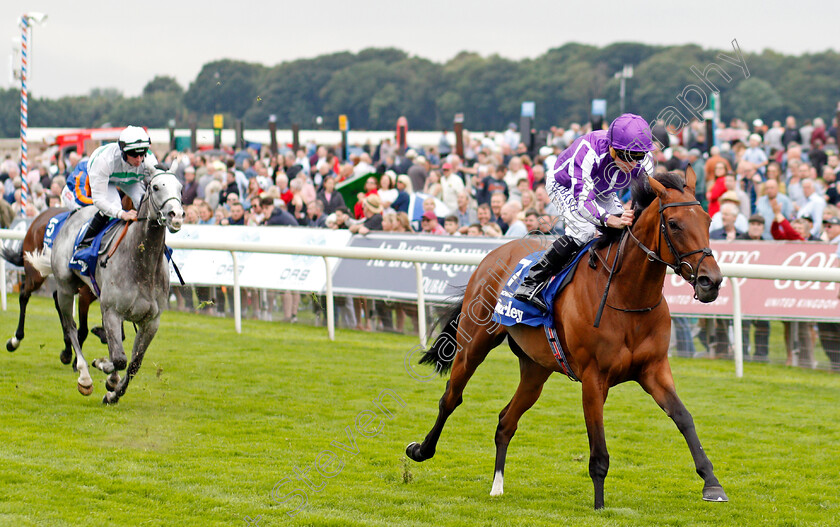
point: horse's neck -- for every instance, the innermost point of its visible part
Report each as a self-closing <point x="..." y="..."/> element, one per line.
<point x="147" y="232"/>
<point x="640" y="281"/>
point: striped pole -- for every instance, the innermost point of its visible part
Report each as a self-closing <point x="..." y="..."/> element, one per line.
<point x="24" y="112"/>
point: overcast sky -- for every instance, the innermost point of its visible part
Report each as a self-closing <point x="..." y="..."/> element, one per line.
<point x="123" y="44"/>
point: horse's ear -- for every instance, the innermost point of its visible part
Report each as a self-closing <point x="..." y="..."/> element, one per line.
<point x="657" y="187"/>
<point x="690" y="178"/>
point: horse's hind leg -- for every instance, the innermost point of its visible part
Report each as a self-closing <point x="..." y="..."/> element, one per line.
<point x="466" y="361"/>
<point x="532" y="377"/>
<point x="64" y="304"/>
<point x="66" y="356"/>
<point x="32" y="281"/>
<point x="86" y="298"/>
<point x="145" y="334"/>
<point x="658" y="382"/>
<point x="13" y="343"/>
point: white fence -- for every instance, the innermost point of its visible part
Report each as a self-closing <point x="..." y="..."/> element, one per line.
<point x="766" y="272"/>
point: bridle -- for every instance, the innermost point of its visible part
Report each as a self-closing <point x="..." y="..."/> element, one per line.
<point x="158" y="216"/>
<point x="680" y="257"/>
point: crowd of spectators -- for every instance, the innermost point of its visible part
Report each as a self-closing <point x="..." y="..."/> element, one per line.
<point x="760" y="181"/>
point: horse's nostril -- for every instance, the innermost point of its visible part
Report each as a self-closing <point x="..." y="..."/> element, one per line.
<point x="704" y="281"/>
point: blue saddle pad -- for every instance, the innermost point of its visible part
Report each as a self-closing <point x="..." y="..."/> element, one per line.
<point x="510" y="311"/>
<point x="53" y="227"/>
<point x="84" y="260"/>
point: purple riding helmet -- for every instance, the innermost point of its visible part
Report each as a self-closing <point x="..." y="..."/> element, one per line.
<point x="631" y="133"/>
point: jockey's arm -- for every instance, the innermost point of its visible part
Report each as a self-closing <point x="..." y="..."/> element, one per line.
<point x="99" y="177"/>
<point x="586" y="193"/>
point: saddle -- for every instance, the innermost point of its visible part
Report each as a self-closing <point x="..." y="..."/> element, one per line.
<point x="509" y="311"/>
<point x="86" y="259"/>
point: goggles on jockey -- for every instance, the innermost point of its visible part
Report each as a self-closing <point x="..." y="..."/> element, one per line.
<point x="136" y="153"/>
<point x="629" y="156"/>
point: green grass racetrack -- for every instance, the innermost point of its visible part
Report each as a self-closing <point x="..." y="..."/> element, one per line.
<point x="217" y="426"/>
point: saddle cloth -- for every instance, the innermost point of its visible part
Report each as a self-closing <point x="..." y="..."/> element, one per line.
<point x="509" y="311"/>
<point x="55" y="224"/>
<point x="85" y="260"/>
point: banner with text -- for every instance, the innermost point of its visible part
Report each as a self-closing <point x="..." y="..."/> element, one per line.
<point x="258" y="270"/>
<point x="381" y="278"/>
<point x="788" y="299"/>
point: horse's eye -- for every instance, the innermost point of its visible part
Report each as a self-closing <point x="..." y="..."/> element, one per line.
<point x="673" y="225"/>
<point x="155" y="188"/>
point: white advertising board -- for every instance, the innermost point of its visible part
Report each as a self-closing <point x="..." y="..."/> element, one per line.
<point x="258" y="270"/>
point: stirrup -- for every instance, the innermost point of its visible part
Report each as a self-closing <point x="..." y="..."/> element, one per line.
<point x="533" y="297"/>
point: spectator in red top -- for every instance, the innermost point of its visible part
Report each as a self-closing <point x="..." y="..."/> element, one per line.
<point x="719" y="187"/>
<point x="371" y="187"/>
<point x="430" y="225"/>
<point x="711" y="165"/>
<point x="781" y="229"/>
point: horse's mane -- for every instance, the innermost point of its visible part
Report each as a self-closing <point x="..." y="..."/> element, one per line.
<point x="643" y="195"/>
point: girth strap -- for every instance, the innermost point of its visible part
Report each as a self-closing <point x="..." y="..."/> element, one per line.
<point x="559" y="355"/>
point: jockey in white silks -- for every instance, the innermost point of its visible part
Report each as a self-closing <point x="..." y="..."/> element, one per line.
<point x="122" y="165"/>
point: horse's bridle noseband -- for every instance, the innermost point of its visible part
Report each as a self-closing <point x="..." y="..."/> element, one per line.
<point x="159" y="217"/>
<point x="680" y="257"/>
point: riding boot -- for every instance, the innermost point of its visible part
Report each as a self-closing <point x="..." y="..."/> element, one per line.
<point x="554" y="259"/>
<point x="97" y="223"/>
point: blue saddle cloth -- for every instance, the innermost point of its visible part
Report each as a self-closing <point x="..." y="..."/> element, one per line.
<point x="510" y="311"/>
<point x="84" y="260"/>
<point x="53" y="227"/>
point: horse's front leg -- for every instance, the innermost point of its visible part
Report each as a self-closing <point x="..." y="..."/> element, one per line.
<point x="112" y="325"/>
<point x="658" y="382"/>
<point x="145" y="333"/>
<point x="594" y="396"/>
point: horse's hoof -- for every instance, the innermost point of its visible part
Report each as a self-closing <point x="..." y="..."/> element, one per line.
<point x="110" y="398"/>
<point x="109" y="386"/>
<point x="12" y="344"/>
<point x="99" y="331"/>
<point x="413" y="452"/>
<point x="85" y="390"/>
<point x="104" y="365"/>
<point x="715" y="494"/>
<point x="65" y="358"/>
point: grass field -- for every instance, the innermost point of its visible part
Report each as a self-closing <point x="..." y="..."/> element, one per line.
<point x="215" y="421"/>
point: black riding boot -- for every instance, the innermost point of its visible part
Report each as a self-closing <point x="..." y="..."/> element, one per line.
<point x="97" y="223"/>
<point x="554" y="259"/>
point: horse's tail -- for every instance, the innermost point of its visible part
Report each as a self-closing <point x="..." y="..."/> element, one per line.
<point x="13" y="254"/>
<point x="443" y="349"/>
<point x="40" y="260"/>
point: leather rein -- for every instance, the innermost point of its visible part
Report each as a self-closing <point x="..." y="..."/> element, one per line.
<point x="653" y="257"/>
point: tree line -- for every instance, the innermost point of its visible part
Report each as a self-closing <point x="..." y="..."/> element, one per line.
<point x="376" y="86"/>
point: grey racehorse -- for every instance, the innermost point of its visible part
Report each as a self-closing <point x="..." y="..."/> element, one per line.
<point x="134" y="286"/>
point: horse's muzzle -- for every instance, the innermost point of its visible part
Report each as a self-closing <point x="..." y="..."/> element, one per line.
<point x="707" y="287"/>
<point x="175" y="219"/>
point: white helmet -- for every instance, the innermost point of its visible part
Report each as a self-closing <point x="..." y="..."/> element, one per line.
<point x="134" y="140"/>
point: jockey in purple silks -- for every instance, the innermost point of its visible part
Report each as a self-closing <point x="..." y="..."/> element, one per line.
<point x="583" y="185"/>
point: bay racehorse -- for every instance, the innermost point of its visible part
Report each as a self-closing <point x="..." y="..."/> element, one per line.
<point x="671" y="229"/>
<point x="133" y="287"/>
<point x="33" y="280"/>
